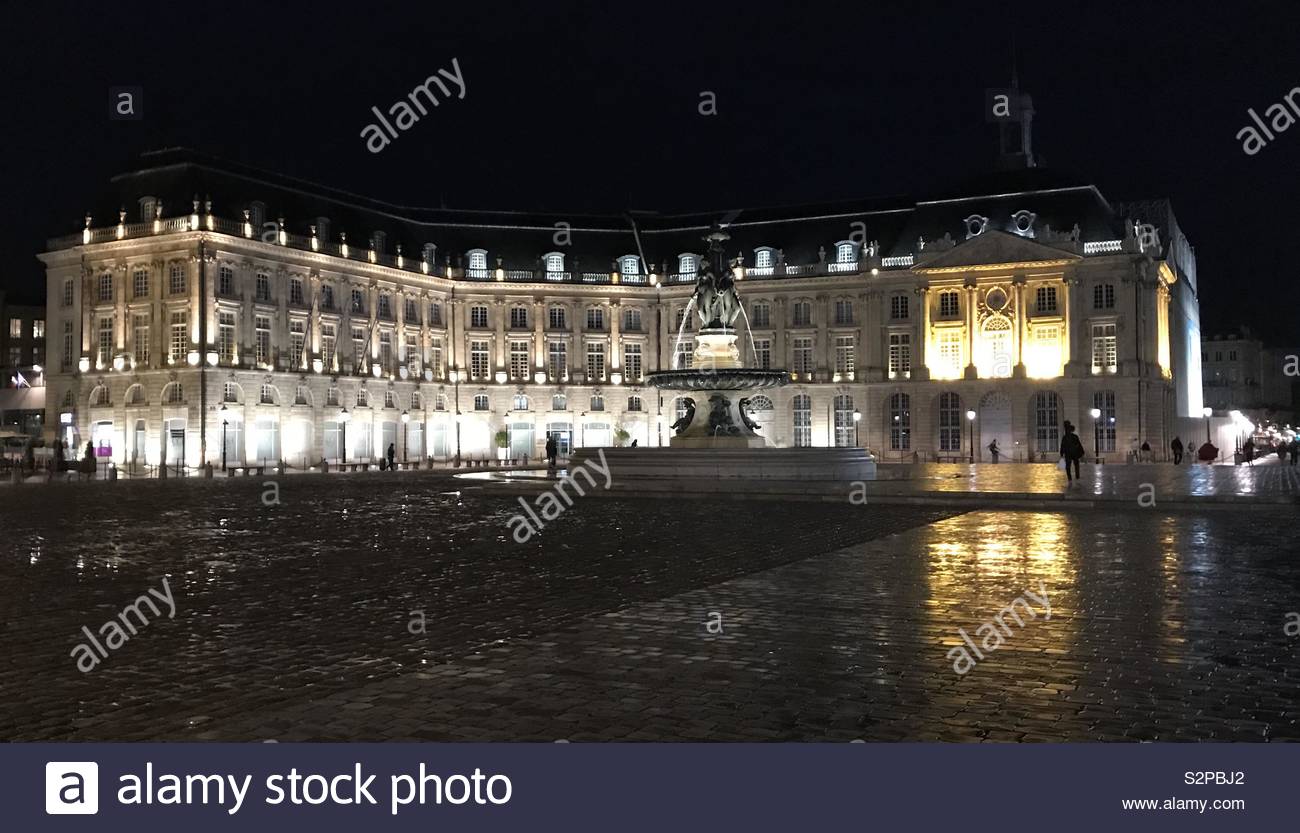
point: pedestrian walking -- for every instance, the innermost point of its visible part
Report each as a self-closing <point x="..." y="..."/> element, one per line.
<point x="994" y="451"/>
<point x="1177" y="448"/>
<point x="1248" y="452"/>
<point x="1071" y="451"/>
<point x="392" y="453"/>
<point x="552" y="451"/>
<point x="1295" y="450"/>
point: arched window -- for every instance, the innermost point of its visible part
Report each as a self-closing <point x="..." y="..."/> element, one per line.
<point x="559" y="402"/>
<point x="634" y="403"/>
<point x="629" y="265"/>
<point x="686" y="266"/>
<point x="230" y="392"/>
<point x="900" y="422"/>
<point x="270" y="395"/>
<point x="135" y="395"/>
<point x="554" y="263"/>
<point x="302" y="396"/>
<point x="99" y="396"/>
<point x="844" y="425"/>
<point x="801" y="407"/>
<point x="390" y="399"/>
<point x="764" y="258"/>
<point x="173" y="394"/>
<point x="478" y="263"/>
<point x="417" y="403"/>
<point x="950" y="419"/>
<point x="1104" y="401"/>
<point x="996" y="359"/>
<point x="1047" y="422"/>
<point x="363" y="399"/>
<point x="519" y="402"/>
<point x="480" y="402"/>
<point x="844" y="252"/>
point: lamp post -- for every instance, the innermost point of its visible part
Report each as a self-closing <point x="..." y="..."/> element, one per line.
<point x="1206" y="412"/>
<point x="344" y="416"/>
<point x="970" y="418"/>
<point x="1095" y="413"/>
<point x="223" y="436"/>
<point x="1236" y="424"/>
<point x="857" y="418"/>
<point x="406" y="434"/>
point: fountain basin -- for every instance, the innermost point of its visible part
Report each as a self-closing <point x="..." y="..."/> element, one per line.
<point x="731" y="378"/>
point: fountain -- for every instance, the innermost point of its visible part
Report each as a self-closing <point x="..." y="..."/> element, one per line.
<point x="716" y="445"/>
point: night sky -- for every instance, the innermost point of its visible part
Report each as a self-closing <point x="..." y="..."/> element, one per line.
<point x="593" y="106"/>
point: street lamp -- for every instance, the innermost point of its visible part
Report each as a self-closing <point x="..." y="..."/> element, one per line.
<point x="857" y="418"/>
<point x="1235" y="416"/>
<point x="1206" y="412"/>
<point x="344" y="416"/>
<point x="970" y="418"/>
<point x="406" y="434"/>
<point x="1095" y="413"/>
<point x="223" y="436"/>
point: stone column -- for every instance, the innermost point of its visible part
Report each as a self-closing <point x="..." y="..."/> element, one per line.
<point x="972" y="323"/>
<point x="499" y="327"/>
<point x="539" y="337"/>
<point x="1019" y="371"/>
<point x="615" y="358"/>
<point x="822" y="350"/>
<point x="921" y="367"/>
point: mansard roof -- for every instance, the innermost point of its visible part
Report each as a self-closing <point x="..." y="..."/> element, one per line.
<point x="901" y="225"/>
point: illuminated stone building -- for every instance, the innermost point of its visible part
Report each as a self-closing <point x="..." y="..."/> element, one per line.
<point x="307" y="324"/>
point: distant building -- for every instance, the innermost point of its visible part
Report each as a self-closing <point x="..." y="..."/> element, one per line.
<point x="1240" y="373"/>
<point x="269" y="318"/>
<point x="22" y="355"/>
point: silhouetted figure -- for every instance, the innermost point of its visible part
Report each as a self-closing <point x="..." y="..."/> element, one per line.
<point x="1072" y="451"/>
<point x="392" y="453"/>
<point x="1146" y="451"/>
<point x="1248" y="452"/>
<point x="634" y="443"/>
<point x="993" y="450"/>
<point x="552" y="450"/>
<point x="1295" y="450"/>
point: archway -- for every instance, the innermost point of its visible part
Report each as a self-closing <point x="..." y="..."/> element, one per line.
<point x="995" y="424"/>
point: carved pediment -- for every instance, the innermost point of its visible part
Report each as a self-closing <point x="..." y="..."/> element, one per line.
<point x="995" y="250"/>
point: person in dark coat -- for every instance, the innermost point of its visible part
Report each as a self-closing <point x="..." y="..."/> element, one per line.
<point x="1177" y="448"/>
<point x="392" y="452"/>
<point x="552" y="450"/>
<point x="1248" y="452"/>
<point x="1294" y="448"/>
<point x="994" y="451"/>
<point x="1072" y="451"/>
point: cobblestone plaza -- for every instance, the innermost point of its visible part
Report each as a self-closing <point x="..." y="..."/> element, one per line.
<point x="630" y="619"/>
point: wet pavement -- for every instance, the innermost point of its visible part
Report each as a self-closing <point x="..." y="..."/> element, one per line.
<point x="641" y="620"/>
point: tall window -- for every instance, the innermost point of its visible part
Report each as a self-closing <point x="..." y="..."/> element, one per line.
<point x="297" y="341"/>
<point x="519" y="318"/>
<point x="632" y="320"/>
<point x="900" y="355"/>
<point x="949" y="304"/>
<point x="268" y="395"/>
<point x="413" y="354"/>
<point x="435" y="314"/>
<point x="332" y="396"/>
<point x="595" y="362"/>
<point x="632" y="362"/>
<point x="478" y="316"/>
<point x="174" y="394"/>
<point x="845" y="354"/>
<point x="180" y="335"/>
<point x="67" y="345"/>
<point x="762" y="316"/>
<point x="684" y="358"/>
<point x="948" y="362"/>
<point x="139" y="283"/>
<point x="844" y="427"/>
<point x="1045" y="300"/>
<point x="949" y="422"/>
<point x="328" y="337"/>
<point x="69" y="289"/>
<point x="226" y="281"/>
<point x="1104" y="401"/>
<point x="385" y="306"/>
<point x="801" y="405"/>
<point x="519" y="360"/>
<point x="1045" y="359"/>
<point x="679" y="320"/>
<point x="327" y="297"/>
<point x="358" y="302"/>
<point x="295" y="291"/>
<point x="843" y="312"/>
<point x="1103" y="296"/>
<point x="176" y="279"/>
<point x="140" y="339"/>
<point x="555" y="318"/>
<point x="263" y="288"/>
<point x="1104" y="356"/>
<point x="595" y="318"/>
<point x="229" y="392"/>
<point x="386" y="351"/>
<point x="898" y="307"/>
<point x="801" y="314"/>
<point x="105" y="341"/>
<point x="410" y="312"/>
<point x="1047" y="421"/>
<point x="763" y="353"/>
<point x="358" y="348"/>
<point x="803" y="355"/>
<point x="106" y="287"/>
<point x="262" y="339"/>
<point x="435" y="357"/>
<point x="226" y="336"/>
<point x="900" y="422"/>
<point x="478" y="360"/>
<point x="557" y="360"/>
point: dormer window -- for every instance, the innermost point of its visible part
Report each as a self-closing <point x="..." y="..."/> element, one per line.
<point x="687" y="265"/>
<point x="844" y="252"/>
<point x="554" y="263"/>
<point x="147" y="207"/>
<point x="975" y="225"/>
<point x="478" y="263"/>
<point x="629" y="265"/>
<point x="1023" y="223"/>
<point x="764" y="258"/>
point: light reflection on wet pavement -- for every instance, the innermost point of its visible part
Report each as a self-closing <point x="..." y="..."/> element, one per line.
<point x="836" y="620"/>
